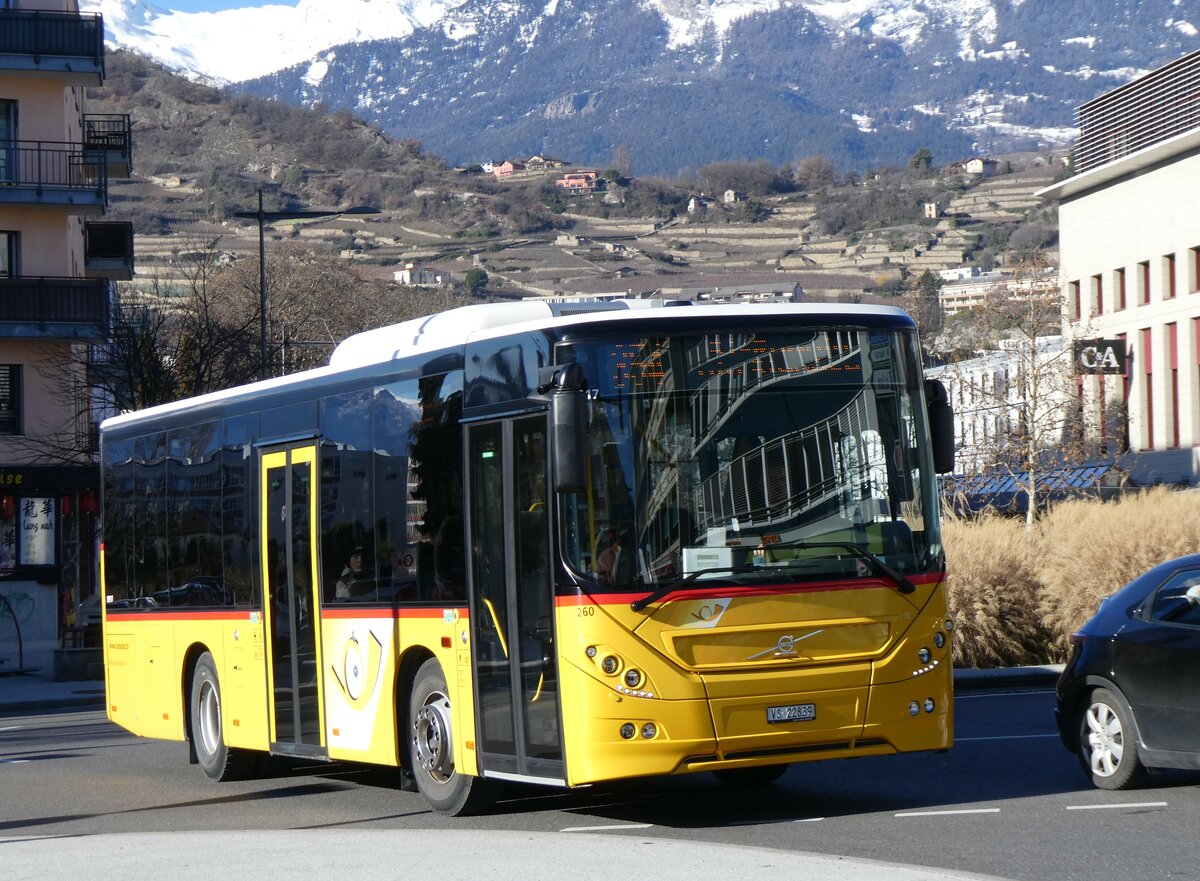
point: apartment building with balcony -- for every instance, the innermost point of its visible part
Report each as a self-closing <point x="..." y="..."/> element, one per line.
<point x="57" y="262"/>
<point x="1129" y="228"/>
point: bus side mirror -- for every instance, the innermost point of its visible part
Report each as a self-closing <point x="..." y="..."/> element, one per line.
<point x="941" y="425"/>
<point x="568" y="426"/>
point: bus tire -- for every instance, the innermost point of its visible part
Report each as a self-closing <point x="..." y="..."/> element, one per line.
<point x="431" y="749"/>
<point x="757" y="776"/>
<point x="216" y="760"/>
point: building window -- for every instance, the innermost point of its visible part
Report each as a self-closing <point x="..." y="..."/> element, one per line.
<point x="1194" y="270"/>
<point x="1119" y="288"/>
<point x="8" y="254"/>
<point x="1168" y="276"/>
<point x="28" y="530"/>
<point x="1075" y="302"/>
<point x="1173" y="377"/>
<point x="1143" y="283"/>
<point x="1148" y="380"/>
<point x="1098" y="294"/>
<point x="10" y="399"/>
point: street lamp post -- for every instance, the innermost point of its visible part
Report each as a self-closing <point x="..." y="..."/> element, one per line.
<point x="262" y="217"/>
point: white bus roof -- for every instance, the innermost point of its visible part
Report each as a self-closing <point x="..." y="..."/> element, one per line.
<point x="456" y="327"/>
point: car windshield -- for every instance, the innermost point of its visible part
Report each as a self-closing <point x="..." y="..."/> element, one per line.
<point x="741" y="456"/>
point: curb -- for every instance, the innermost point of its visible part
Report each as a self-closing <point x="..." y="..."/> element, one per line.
<point x="966" y="681"/>
<point x="1006" y="678"/>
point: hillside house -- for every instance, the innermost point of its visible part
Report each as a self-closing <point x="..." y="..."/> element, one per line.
<point x="981" y="166"/>
<point x="414" y="275"/>
<point x="578" y="183"/>
<point x="507" y="168"/>
<point x="543" y="163"/>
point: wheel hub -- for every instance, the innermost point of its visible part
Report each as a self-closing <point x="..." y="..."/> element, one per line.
<point x="432" y="737"/>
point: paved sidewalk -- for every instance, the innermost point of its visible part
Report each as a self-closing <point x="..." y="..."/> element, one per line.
<point x="34" y="691"/>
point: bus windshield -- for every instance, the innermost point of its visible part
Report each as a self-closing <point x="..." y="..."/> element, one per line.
<point x="739" y="457"/>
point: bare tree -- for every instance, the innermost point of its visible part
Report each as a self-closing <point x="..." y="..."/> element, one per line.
<point x="1017" y="406"/>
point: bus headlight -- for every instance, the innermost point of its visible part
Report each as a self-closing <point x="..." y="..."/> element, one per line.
<point x="929" y="705"/>
<point x="939" y="640"/>
<point x="628" y="730"/>
<point x="633" y="677"/>
<point x="649" y="730"/>
<point x="610" y="665"/>
<point x="914" y="709"/>
<point x="925" y="655"/>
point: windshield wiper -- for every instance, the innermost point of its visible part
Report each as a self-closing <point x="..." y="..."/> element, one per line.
<point x="902" y="583"/>
<point x="857" y="550"/>
<point x="672" y="586"/>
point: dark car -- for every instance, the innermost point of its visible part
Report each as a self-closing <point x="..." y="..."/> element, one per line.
<point x="1129" y="698"/>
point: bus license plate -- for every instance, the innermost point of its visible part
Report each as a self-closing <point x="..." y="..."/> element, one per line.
<point x="793" y="713"/>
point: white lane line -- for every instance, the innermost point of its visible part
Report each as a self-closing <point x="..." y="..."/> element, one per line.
<point x="1004" y="737"/>
<point x="14" y="761"/>
<point x="810" y="820"/>
<point x="615" y="827"/>
<point x="12" y="728"/>
<point x="948" y="813"/>
<point x="1144" y="804"/>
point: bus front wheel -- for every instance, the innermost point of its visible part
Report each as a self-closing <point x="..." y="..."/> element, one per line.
<point x="431" y="749"/>
<point x="218" y="761"/>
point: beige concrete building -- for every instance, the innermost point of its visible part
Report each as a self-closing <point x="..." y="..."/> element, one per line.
<point x="57" y="259"/>
<point x="1129" y="222"/>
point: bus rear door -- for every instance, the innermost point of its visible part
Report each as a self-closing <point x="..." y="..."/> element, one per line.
<point x="512" y="603"/>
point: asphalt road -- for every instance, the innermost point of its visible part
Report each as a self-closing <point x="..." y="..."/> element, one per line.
<point x="1007" y="801"/>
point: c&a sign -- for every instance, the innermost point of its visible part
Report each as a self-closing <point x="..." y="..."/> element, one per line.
<point x="1100" y="356"/>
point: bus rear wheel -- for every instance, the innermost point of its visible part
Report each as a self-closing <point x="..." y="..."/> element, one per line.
<point x="216" y="760"/>
<point x="431" y="749"/>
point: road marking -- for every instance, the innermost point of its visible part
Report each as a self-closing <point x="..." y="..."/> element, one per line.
<point x="949" y="813"/>
<point x="614" y="827"/>
<point x="811" y="820"/>
<point x="1143" y="804"/>
<point x="13" y="761"/>
<point x="12" y="728"/>
<point x="1004" y="737"/>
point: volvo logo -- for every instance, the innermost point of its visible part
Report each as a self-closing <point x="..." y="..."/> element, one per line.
<point x="785" y="647"/>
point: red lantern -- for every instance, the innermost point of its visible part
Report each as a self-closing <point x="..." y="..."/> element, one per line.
<point x="87" y="502"/>
<point x="66" y="505"/>
<point x="8" y="507"/>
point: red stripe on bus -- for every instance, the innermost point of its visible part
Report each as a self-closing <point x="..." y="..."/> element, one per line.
<point x="339" y="613"/>
<point x="346" y="612"/>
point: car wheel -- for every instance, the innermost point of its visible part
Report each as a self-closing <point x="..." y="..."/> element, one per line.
<point x="759" y="776"/>
<point x="216" y="760"/>
<point x="431" y="749"/>
<point x="1107" y="742"/>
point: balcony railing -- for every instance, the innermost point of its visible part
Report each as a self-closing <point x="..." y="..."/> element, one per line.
<point x="52" y="173"/>
<point x="70" y="44"/>
<point x="54" y="308"/>
<point x="111" y="135"/>
<point x="108" y="249"/>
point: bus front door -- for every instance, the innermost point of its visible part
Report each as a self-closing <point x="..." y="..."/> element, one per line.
<point x="289" y="566"/>
<point x="512" y="601"/>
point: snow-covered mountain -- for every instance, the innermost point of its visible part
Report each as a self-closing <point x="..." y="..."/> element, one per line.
<point x="681" y="82"/>
<point x="241" y="44"/>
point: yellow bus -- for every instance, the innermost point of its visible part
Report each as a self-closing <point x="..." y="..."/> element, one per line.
<point x="551" y="543"/>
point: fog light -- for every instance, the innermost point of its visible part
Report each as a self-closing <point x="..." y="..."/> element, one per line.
<point x="913" y="709"/>
<point x="649" y="730"/>
<point x="628" y="730"/>
<point x="633" y="678"/>
<point x="949" y="625"/>
<point x="610" y="665"/>
<point x="925" y="655"/>
<point x="939" y="640"/>
<point x="591" y="651"/>
<point x="929" y="705"/>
